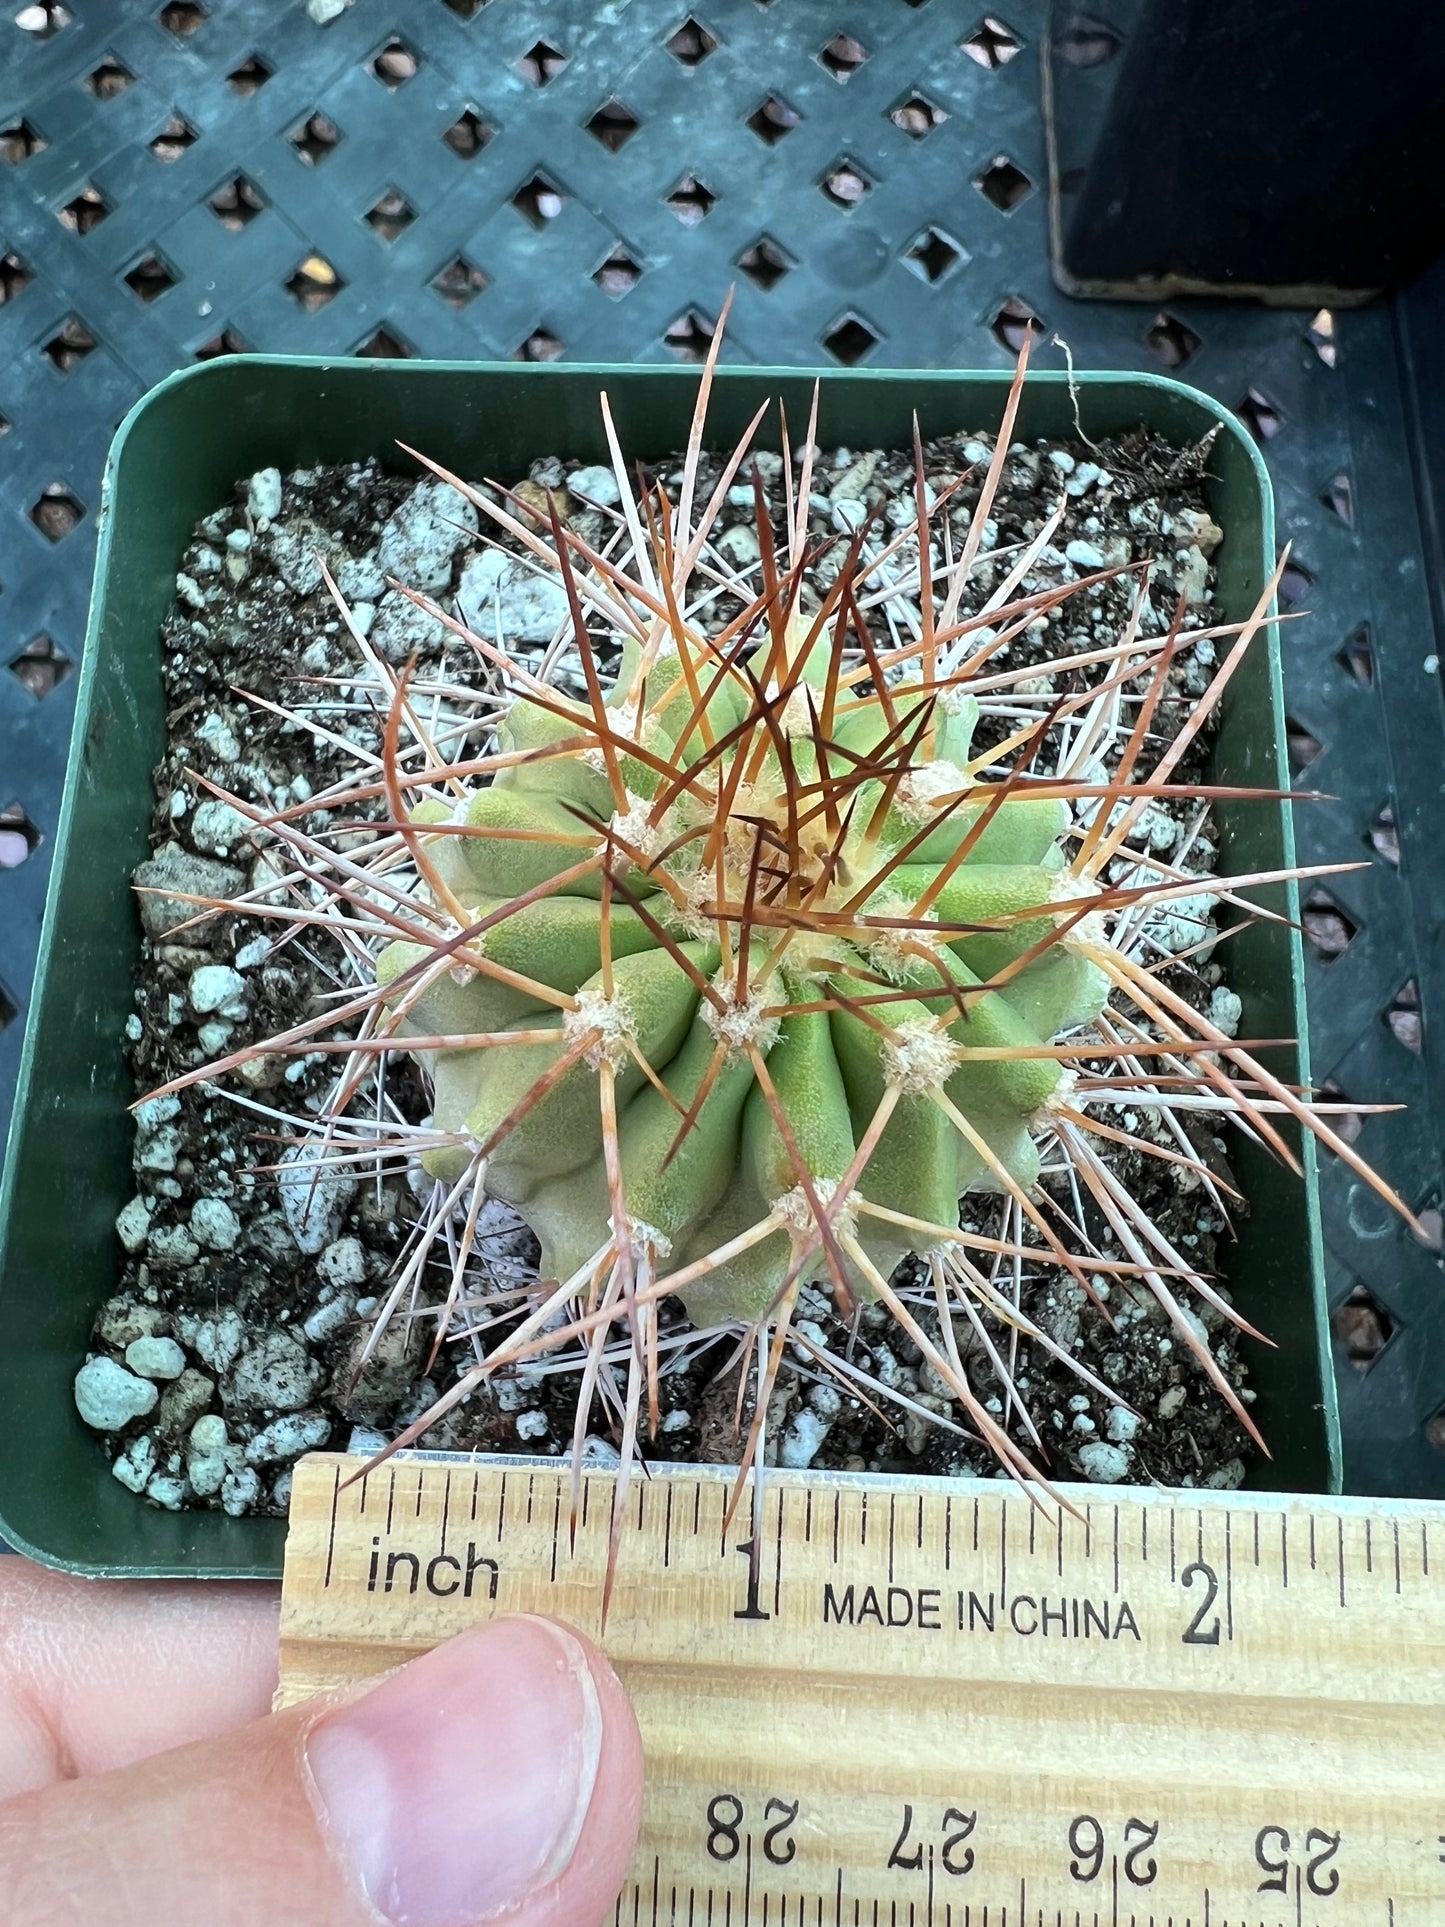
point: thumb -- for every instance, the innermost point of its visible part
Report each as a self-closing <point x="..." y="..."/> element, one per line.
<point x="499" y="1774"/>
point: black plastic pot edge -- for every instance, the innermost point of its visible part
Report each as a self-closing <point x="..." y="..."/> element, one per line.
<point x="67" y="1165"/>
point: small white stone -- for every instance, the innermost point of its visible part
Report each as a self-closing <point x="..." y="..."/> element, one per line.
<point x="532" y="1425"/>
<point x="206" y="1454"/>
<point x="1226" y="1477"/>
<point x="1103" y="1463"/>
<point x="263" y="493"/>
<point x="155" y="1357"/>
<point x="676" y="1421"/>
<point x="213" y="1037"/>
<point x="253" y="953"/>
<point x="219" y="737"/>
<point x="136" y="1464"/>
<point x="133" y="1225"/>
<point x="167" y="1491"/>
<point x="215" y="1224"/>
<point x="802" y="1440"/>
<point x="217" y="828"/>
<point x="1083" y="1424"/>
<point x="599" y="485"/>
<point x="314" y="1199"/>
<point x="108" y="1397"/>
<point x="499" y="591"/>
<point x="1062" y="460"/>
<point x="850" y="512"/>
<point x="171" y="1246"/>
<point x="1122" y="1426"/>
<point x="288" y="1437"/>
<point x="327" y="1318"/>
<point x="1225" y="1010"/>
<point x="240" y="1490"/>
<point x="1084" y="555"/>
<point x="155" y="1112"/>
<point x="214" y="985"/>
<point x="277" y="1373"/>
<point x="739" y="546"/>
<point x="365" y="1442"/>
<point x="1171" y="1403"/>
<point x="342" y="1263"/>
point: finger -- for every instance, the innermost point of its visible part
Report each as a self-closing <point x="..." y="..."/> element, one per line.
<point x="499" y="1774"/>
<point x="95" y="1674"/>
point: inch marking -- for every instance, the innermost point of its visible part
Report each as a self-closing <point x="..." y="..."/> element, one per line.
<point x="390" y="1494"/>
<point x="1340" y="1529"/>
<point x="1229" y="1575"/>
<point x="331" y="1533"/>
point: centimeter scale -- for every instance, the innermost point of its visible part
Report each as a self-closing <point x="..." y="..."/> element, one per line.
<point x="935" y="1703"/>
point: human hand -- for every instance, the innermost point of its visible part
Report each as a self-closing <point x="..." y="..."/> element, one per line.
<point x="144" y="1783"/>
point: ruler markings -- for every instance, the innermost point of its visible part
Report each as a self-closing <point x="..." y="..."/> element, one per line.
<point x="837" y="1507"/>
<point x="1369" y="1549"/>
<point x="1173" y="1555"/>
<point x="365" y="1478"/>
<point x="780" y="1493"/>
<point x="1340" y="1530"/>
<point x="1229" y="1576"/>
<point x="934" y="1667"/>
<point x="331" y="1529"/>
<point x="1313" y="1560"/>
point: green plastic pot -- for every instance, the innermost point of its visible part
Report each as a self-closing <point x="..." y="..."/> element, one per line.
<point x="175" y="458"/>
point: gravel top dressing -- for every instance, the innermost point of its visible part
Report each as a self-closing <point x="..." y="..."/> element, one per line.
<point x="235" y="1338"/>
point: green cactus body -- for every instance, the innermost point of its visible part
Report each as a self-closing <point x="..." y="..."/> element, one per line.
<point x="878" y="961"/>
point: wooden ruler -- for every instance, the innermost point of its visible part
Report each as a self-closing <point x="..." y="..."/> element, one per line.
<point x="933" y="1704"/>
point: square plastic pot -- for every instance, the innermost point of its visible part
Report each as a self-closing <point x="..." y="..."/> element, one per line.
<point x="175" y="459"/>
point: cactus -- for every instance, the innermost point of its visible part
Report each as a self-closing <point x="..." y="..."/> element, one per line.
<point x="737" y="969"/>
<point x="782" y="850"/>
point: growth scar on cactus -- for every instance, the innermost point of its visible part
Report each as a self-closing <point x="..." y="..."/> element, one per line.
<point x="734" y="971"/>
